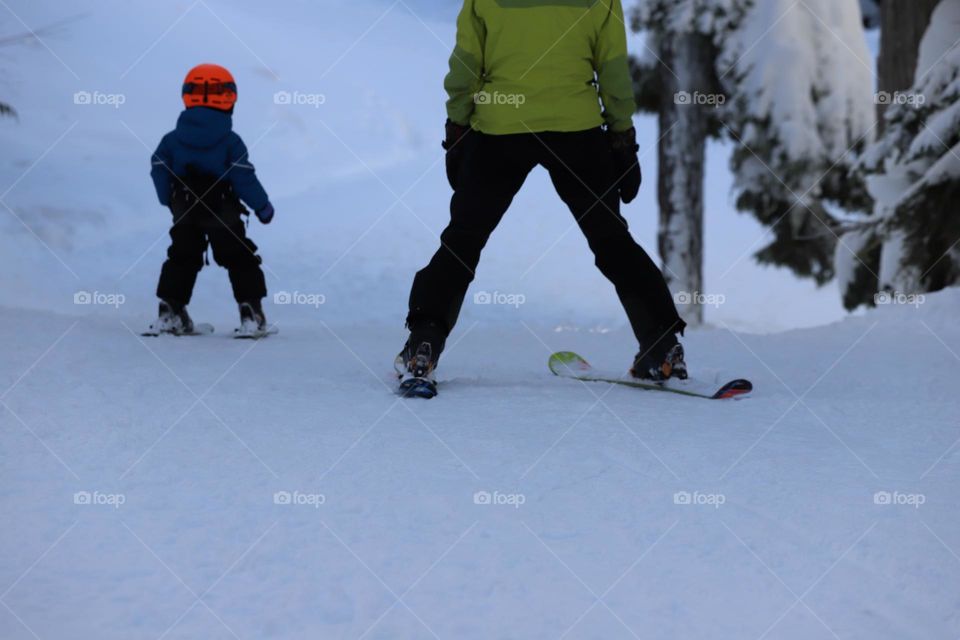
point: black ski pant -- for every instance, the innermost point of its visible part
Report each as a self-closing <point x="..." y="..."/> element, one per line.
<point x="232" y="249"/>
<point x="581" y="167"/>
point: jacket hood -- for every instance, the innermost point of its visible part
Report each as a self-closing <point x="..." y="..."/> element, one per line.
<point x="202" y="128"/>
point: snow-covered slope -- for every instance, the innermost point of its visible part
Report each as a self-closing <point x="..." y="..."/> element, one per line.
<point x="144" y="482"/>
<point x="186" y="443"/>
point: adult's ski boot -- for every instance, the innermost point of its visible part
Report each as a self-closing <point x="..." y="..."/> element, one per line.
<point x="662" y="361"/>
<point x="417" y="362"/>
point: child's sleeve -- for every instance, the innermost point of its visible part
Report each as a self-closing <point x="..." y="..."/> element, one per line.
<point x="161" y="170"/>
<point x="243" y="177"/>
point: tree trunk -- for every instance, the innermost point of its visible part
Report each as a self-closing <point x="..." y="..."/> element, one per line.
<point x="686" y="74"/>
<point x="902" y="25"/>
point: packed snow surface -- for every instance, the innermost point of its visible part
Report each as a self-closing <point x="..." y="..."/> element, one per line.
<point x="189" y="450"/>
<point x="213" y="488"/>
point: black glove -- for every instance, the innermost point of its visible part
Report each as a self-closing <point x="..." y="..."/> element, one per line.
<point x="453" y="143"/>
<point x="623" y="145"/>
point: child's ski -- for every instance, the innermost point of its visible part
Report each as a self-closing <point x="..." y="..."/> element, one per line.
<point x="199" y="329"/>
<point x="567" y="364"/>
<point x="243" y="333"/>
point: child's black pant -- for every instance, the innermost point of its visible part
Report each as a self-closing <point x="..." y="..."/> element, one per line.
<point x="215" y="222"/>
<point x="582" y="170"/>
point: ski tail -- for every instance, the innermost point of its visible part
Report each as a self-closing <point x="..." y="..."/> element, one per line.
<point x="568" y="364"/>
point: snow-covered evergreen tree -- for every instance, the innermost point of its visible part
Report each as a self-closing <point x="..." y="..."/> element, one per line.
<point x="791" y="83"/>
<point x="914" y="175"/>
<point x="800" y="77"/>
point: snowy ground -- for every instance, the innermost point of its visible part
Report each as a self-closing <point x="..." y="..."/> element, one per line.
<point x="195" y="437"/>
<point x="184" y="447"/>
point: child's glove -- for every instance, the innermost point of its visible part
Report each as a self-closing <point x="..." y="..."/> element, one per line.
<point x="626" y="163"/>
<point x="265" y="214"/>
<point x="454" y="147"/>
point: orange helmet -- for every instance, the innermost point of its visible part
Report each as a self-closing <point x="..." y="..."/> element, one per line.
<point x="209" y="85"/>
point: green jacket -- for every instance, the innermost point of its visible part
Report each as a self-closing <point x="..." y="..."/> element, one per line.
<point x="524" y="66"/>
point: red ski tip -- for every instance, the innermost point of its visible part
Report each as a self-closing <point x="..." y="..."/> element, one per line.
<point x="733" y="389"/>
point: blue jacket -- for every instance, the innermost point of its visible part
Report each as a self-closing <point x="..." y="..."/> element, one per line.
<point x="205" y="139"/>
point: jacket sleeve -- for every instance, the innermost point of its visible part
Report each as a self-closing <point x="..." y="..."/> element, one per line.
<point x="243" y="176"/>
<point x="465" y="78"/>
<point x="613" y="70"/>
<point x="161" y="170"/>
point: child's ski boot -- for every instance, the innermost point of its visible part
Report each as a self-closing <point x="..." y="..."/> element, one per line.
<point x="253" y="323"/>
<point x="173" y="319"/>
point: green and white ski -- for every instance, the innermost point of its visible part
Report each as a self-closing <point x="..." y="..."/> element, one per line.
<point x="568" y="364"/>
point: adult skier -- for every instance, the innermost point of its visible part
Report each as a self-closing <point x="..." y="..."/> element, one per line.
<point x="201" y="172"/>
<point x="540" y="82"/>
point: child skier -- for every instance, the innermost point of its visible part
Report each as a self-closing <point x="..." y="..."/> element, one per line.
<point x="201" y="172"/>
<point x="540" y="82"/>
